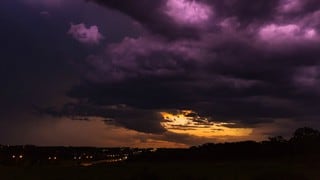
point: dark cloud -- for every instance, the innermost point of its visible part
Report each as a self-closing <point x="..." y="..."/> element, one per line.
<point x="150" y="14"/>
<point x="147" y="121"/>
<point x="245" y="10"/>
<point x="245" y="13"/>
<point x="252" y="62"/>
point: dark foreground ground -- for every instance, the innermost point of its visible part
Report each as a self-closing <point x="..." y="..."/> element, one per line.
<point x="268" y="170"/>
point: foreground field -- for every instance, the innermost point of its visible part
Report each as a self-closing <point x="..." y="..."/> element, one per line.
<point x="170" y="170"/>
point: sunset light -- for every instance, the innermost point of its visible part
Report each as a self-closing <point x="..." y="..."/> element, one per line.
<point x="188" y="122"/>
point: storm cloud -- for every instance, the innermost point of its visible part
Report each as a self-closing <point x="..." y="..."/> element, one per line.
<point x="243" y="61"/>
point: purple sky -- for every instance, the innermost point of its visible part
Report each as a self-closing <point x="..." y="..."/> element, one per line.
<point x="157" y="72"/>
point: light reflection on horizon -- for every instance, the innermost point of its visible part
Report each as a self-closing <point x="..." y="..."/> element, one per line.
<point x="188" y="122"/>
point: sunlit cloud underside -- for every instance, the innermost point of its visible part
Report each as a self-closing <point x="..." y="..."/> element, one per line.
<point x="188" y="122"/>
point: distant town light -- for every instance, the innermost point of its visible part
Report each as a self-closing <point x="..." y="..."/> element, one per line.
<point x="13" y="156"/>
<point x="49" y="158"/>
<point x="55" y="158"/>
<point x="21" y="156"/>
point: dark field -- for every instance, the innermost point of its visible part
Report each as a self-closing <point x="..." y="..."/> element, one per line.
<point x="275" y="159"/>
<point x="171" y="170"/>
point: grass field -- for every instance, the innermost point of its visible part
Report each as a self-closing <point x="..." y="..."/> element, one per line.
<point x="174" y="170"/>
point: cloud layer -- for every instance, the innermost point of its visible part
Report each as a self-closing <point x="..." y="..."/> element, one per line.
<point x="243" y="61"/>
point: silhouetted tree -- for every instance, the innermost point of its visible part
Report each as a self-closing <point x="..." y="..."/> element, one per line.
<point x="306" y="134"/>
<point x="306" y="140"/>
<point x="277" y="139"/>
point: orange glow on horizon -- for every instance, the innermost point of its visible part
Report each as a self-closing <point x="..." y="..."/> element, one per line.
<point x="188" y="122"/>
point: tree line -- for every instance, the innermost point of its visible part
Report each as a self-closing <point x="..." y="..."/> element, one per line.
<point x="303" y="145"/>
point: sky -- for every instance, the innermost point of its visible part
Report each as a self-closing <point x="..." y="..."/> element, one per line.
<point x="157" y="73"/>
